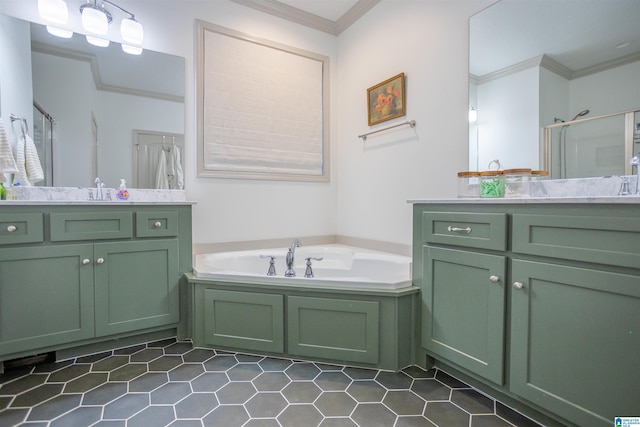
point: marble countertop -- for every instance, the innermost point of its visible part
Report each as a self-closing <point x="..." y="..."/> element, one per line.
<point x="601" y="190"/>
<point x="80" y="196"/>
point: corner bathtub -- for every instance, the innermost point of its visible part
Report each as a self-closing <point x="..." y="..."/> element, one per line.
<point x="341" y="266"/>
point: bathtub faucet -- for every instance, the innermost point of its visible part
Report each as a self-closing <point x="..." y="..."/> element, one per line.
<point x="290" y="258"/>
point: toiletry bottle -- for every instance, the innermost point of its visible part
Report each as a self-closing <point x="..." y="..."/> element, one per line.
<point x="123" y="193"/>
<point x="3" y="192"/>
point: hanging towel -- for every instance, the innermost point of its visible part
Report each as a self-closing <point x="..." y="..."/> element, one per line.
<point x="29" y="167"/>
<point x="161" y="174"/>
<point x="7" y="161"/>
<point x="174" y="169"/>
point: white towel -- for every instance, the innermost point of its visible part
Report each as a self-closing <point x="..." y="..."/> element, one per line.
<point x="29" y="168"/>
<point x="161" y="173"/>
<point x="34" y="167"/>
<point x="174" y="169"/>
<point x="7" y="161"/>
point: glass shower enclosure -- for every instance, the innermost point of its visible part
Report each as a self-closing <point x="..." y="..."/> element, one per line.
<point x="592" y="147"/>
<point x="43" y="137"/>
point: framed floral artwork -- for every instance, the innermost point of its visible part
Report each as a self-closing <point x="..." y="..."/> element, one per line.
<point x="386" y="100"/>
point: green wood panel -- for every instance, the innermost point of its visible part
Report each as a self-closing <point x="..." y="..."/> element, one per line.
<point x="21" y="228"/>
<point x="156" y="224"/>
<point x="463" y="310"/>
<point x="247" y="320"/>
<point x="610" y="240"/>
<point x="486" y="231"/>
<point x="575" y="341"/>
<point x="136" y="285"/>
<point x="313" y="325"/>
<point x="101" y="225"/>
<point x="46" y="296"/>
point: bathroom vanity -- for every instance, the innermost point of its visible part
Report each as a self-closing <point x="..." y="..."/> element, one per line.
<point x="75" y="274"/>
<point x="535" y="299"/>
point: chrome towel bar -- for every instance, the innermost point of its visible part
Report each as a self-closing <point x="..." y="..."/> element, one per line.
<point x="411" y="123"/>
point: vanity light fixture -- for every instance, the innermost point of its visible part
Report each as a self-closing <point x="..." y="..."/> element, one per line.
<point x="95" y="21"/>
<point x="473" y="114"/>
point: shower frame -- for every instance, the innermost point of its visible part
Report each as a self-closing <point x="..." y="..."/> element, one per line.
<point x="629" y="126"/>
<point x="47" y="122"/>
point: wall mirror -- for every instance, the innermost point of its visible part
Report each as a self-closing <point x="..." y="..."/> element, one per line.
<point x="564" y="64"/>
<point x="99" y="101"/>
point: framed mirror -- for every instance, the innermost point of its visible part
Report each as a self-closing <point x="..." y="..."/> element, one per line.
<point x="568" y="63"/>
<point x="92" y="102"/>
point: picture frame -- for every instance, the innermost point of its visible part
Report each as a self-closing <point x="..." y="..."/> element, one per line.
<point x="387" y="100"/>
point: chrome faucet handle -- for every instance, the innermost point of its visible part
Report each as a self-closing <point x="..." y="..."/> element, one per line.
<point x="309" y="272"/>
<point x="272" y="264"/>
<point x="624" y="187"/>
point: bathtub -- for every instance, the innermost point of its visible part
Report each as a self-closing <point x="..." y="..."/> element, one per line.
<point x="341" y="267"/>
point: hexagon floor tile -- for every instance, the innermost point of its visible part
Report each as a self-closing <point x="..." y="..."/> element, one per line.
<point x="170" y="383"/>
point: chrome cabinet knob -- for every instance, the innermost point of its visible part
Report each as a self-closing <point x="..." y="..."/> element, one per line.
<point x="494" y="278"/>
<point x="517" y="285"/>
<point x="86" y="261"/>
<point x="100" y="261"/>
<point x="11" y="228"/>
<point x="157" y="224"/>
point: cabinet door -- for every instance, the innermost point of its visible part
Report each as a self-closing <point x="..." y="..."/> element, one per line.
<point x="575" y="341"/>
<point x="46" y="296"/>
<point x="245" y="320"/>
<point x="136" y="285"/>
<point x="312" y="324"/>
<point x="463" y="310"/>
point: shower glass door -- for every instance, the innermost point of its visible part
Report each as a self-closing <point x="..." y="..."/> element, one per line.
<point x="43" y="139"/>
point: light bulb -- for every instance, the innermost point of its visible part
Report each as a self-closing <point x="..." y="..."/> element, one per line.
<point x="132" y="50"/>
<point x="94" y="20"/>
<point x="55" y="11"/>
<point x="131" y="31"/>
<point x="97" y="41"/>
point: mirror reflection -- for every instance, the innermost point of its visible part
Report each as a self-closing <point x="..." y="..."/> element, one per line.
<point x="94" y="111"/>
<point x="563" y="65"/>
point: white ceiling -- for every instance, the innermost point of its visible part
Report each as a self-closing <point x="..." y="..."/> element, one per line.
<point x="578" y="34"/>
<point x="328" y="9"/>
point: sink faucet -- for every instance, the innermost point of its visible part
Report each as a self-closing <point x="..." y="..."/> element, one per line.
<point x="99" y="185"/>
<point x="635" y="161"/>
<point x="290" y="258"/>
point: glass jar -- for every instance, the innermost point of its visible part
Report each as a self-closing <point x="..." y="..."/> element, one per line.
<point x="492" y="184"/>
<point x="517" y="182"/>
<point x="468" y="184"/>
<point x="539" y="175"/>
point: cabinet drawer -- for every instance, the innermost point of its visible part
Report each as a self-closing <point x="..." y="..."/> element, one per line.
<point x="473" y="230"/>
<point x="156" y="224"/>
<point x="21" y="228"/>
<point x="91" y="226"/>
<point x="612" y="241"/>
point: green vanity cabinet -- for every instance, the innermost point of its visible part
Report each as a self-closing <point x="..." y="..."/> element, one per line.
<point x="77" y="275"/>
<point x="46" y="296"/>
<point x="369" y="328"/>
<point x="549" y="317"/>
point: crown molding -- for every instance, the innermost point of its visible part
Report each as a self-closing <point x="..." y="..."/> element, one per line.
<point x="310" y="20"/>
<point x="95" y="72"/>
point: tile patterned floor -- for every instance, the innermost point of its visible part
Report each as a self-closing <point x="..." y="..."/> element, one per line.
<point x="170" y="383"/>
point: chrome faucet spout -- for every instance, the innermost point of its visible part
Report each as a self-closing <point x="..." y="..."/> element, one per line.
<point x="99" y="185"/>
<point x="291" y="258"/>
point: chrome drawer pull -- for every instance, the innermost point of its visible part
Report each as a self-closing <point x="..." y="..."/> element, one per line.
<point x="459" y="230"/>
<point x="86" y="261"/>
<point x="157" y="224"/>
<point x="517" y="285"/>
<point x="100" y="260"/>
<point x="494" y="279"/>
<point x="11" y="228"/>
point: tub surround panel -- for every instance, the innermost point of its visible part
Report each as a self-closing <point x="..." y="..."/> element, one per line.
<point x="552" y="291"/>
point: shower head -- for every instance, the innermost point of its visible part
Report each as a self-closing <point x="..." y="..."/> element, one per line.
<point x="580" y="114"/>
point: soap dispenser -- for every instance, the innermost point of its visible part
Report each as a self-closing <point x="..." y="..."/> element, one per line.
<point x="123" y="193"/>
